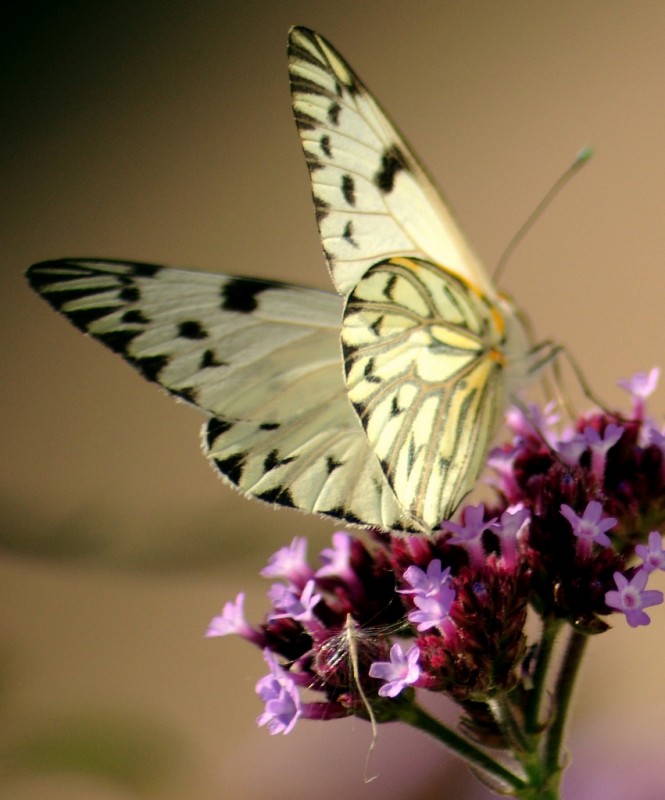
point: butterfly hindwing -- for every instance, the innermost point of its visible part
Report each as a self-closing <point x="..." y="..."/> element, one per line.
<point x="424" y="371"/>
<point x="262" y="359"/>
<point x="373" y="199"/>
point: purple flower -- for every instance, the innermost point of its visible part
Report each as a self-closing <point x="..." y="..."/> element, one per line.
<point x="433" y="595"/>
<point x="232" y="620"/>
<point x="571" y="449"/>
<point x="401" y="671"/>
<point x="433" y="611"/>
<point x="640" y="386"/>
<point x="427" y="583"/>
<point x="508" y="530"/>
<point x="290" y="563"/>
<point x="337" y="559"/>
<point x="652" y="554"/>
<point x="280" y="695"/>
<point x="289" y="604"/>
<point x="589" y="528"/>
<point x="631" y="597"/>
<point x="599" y="445"/>
<point x="470" y="533"/>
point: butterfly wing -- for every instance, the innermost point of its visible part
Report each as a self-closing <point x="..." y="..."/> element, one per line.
<point x="373" y="199"/>
<point x="262" y="359"/>
<point x="424" y="371"/>
<point x="425" y="344"/>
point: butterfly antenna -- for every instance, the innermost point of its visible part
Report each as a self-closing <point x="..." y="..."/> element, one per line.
<point x="580" y="160"/>
<point x="350" y="635"/>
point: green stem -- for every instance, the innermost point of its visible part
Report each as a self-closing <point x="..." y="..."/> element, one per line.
<point x="563" y="692"/>
<point x="417" y="717"/>
<point x="551" y="628"/>
<point x="509" y="726"/>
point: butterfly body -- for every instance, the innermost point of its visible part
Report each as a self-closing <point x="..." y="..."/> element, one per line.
<point x="375" y="405"/>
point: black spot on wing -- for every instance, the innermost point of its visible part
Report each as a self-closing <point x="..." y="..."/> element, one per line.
<point x="209" y="359"/>
<point x="129" y="294"/>
<point x="332" y="464"/>
<point x="269" y="426"/>
<point x="392" y="162"/>
<point x="347" y="234"/>
<point x="149" y="367"/>
<point x="191" y="329"/>
<point x="349" y="189"/>
<point x="334" y="110"/>
<point x="304" y="122"/>
<point x="324" y="143"/>
<point x="385" y="467"/>
<point x="361" y="411"/>
<point x="349" y="355"/>
<point x="59" y="298"/>
<point x="395" y="409"/>
<point x="45" y="273"/>
<point x="232" y="466"/>
<point x="135" y="317"/>
<point x="389" y="287"/>
<point x="301" y="85"/>
<point x="312" y="161"/>
<point x="118" y="341"/>
<point x="353" y="88"/>
<point x="273" y="460"/>
<point x="240" y="294"/>
<point x="376" y="325"/>
<point x="84" y="317"/>
<point x="215" y="428"/>
<point x="140" y="270"/>
<point x="339" y="512"/>
<point x="367" y="372"/>
<point x="187" y="393"/>
<point x="280" y="495"/>
<point x="270" y="461"/>
<point x="297" y="51"/>
<point x="411" y="451"/>
<point x="321" y="208"/>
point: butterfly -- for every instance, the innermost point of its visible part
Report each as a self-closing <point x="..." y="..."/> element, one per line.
<point x="374" y="405"/>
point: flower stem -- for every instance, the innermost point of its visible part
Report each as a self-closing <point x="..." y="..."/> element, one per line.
<point x="417" y="717"/>
<point x="563" y="692"/>
<point x="505" y="718"/>
<point x="551" y="628"/>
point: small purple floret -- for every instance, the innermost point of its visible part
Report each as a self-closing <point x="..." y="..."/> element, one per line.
<point x="631" y="597"/>
<point x="653" y="554"/>
<point x="280" y="695"/>
<point x="401" y="671"/>
<point x="591" y="527"/>
<point x="470" y="532"/>
<point x="290" y="563"/>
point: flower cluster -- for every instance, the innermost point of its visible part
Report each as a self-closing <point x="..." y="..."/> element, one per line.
<point x="572" y="533"/>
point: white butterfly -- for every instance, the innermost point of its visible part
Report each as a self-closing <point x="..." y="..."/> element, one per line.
<point x="387" y="428"/>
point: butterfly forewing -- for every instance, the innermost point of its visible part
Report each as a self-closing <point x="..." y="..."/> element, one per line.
<point x="373" y="199"/>
<point x="423" y="364"/>
<point x="261" y="358"/>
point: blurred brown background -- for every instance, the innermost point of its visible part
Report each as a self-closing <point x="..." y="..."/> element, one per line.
<point x="161" y="131"/>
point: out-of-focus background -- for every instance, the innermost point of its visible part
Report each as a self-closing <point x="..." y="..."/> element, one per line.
<point x="162" y="131"/>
